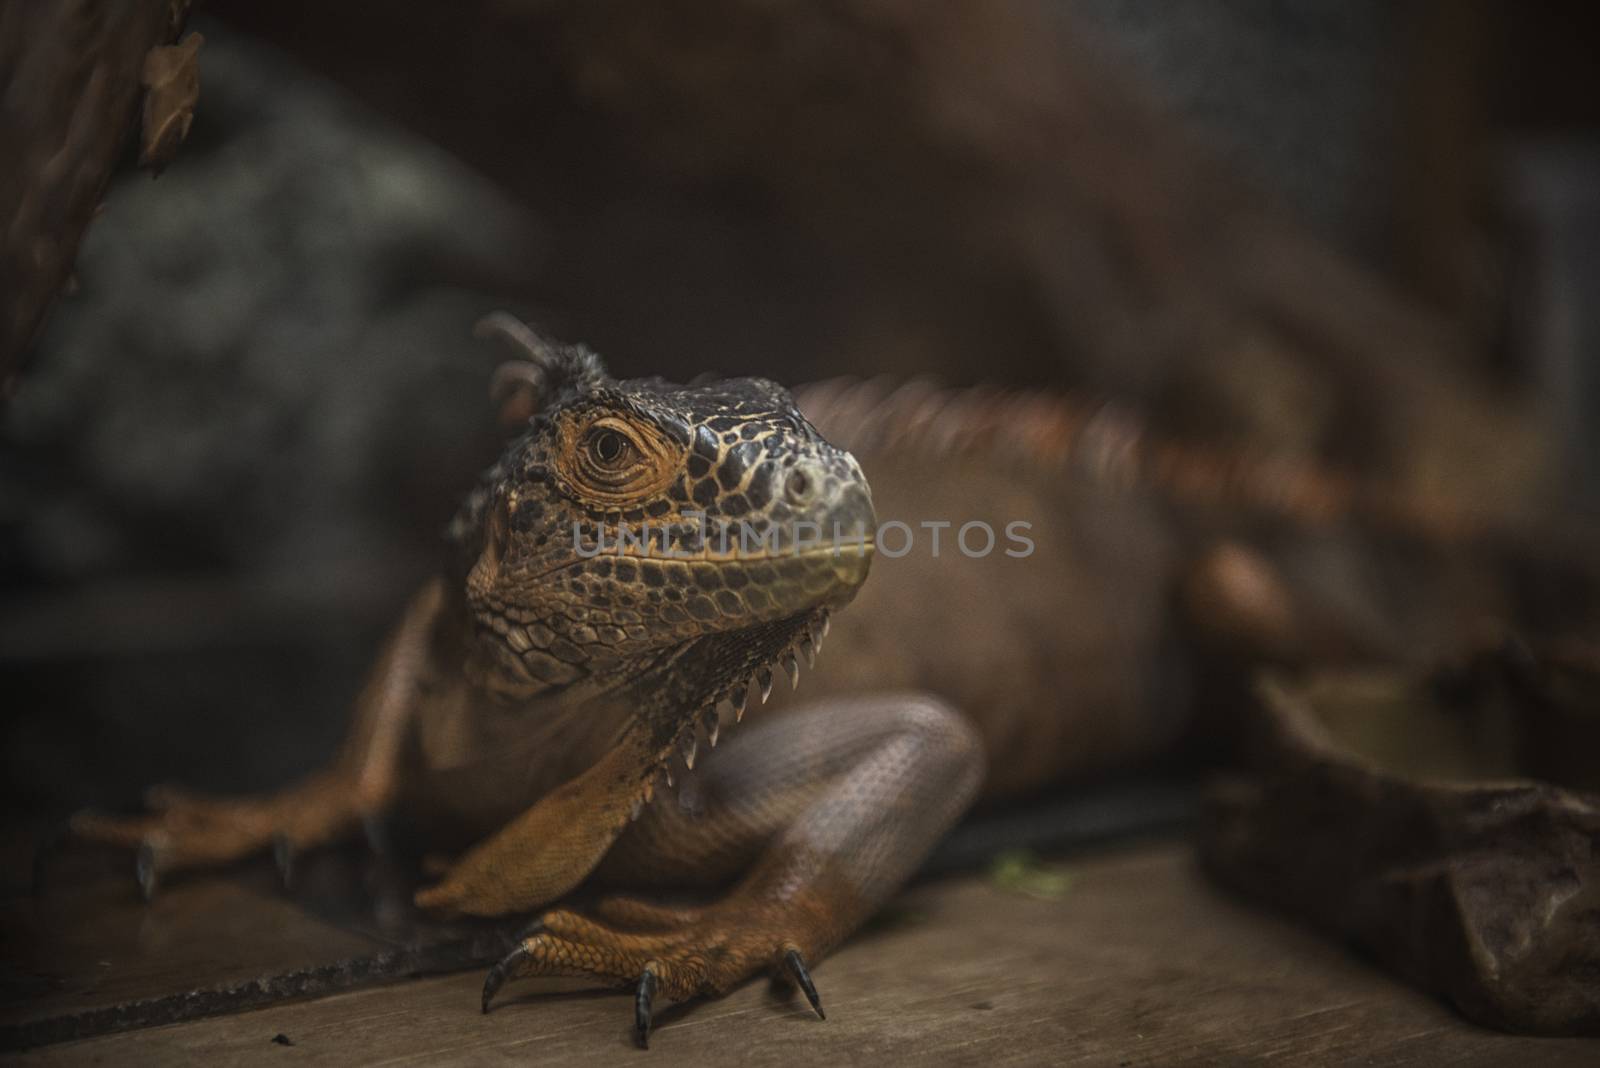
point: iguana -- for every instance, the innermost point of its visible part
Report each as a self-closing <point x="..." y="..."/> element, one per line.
<point x="537" y="702"/>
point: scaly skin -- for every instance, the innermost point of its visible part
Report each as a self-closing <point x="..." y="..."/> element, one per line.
<point x="1151" y="560"/>
<point x="529" y="704"/>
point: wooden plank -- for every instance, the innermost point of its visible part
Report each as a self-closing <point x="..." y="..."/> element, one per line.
<point x="1139" y="962"/>
<point x="84" y="954"/>
<point x="89" y="942"/>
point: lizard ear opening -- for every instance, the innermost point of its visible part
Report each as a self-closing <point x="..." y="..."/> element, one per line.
<point x="545" y="370"/>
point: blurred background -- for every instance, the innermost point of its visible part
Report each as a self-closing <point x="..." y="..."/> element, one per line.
<point x="1356" y="230"/>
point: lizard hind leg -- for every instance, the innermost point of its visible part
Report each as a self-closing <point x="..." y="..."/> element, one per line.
<point x="817" y="817"/>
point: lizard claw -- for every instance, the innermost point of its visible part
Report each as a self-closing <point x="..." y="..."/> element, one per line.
<point x="184" y="831"/>
<point x="144" y="869"/>
<point x="502" y="970"/>
<point x="283" y="857"/>
<point x="802" y="978"/>
<point x="672" y="951"/>
<point x="642" y="1000"/>
<point x="375" y="829"/>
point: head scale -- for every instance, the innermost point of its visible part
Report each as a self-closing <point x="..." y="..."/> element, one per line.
<point x="640" y="523"/>
<point x="547" y="370"/>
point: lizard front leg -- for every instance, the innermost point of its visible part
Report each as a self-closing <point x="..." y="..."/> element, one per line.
<point x="821" y="815"/>
<point x="184" y="830"/>
<point x="553" y="846"/>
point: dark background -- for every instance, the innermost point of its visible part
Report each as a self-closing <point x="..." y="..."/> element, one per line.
<point x="1360" y="231"/>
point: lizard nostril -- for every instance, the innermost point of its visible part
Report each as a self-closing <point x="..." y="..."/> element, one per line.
<point x="800" y="486"/>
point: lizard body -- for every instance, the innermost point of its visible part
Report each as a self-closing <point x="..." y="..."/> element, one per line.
<point x="1147" y="555"/>
<point x="532" y="701"/>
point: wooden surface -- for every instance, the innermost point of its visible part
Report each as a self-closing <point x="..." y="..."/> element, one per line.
<point x="92" y="944"/>
<point x="1139" y="961"/>
<point x="83" y="954"/>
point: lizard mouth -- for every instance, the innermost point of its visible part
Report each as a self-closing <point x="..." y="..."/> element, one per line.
<point x="739" y="666"/>
<point x="854" y="556"/>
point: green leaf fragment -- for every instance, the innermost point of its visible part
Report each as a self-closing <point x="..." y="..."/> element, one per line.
<point x="1021" y="872"/>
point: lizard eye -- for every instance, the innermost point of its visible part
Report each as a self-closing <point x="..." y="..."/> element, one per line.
<point x="613" y="460"/>
<point x="608" y="448"/>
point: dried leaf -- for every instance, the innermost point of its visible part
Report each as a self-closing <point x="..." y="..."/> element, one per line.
<point x="171" y="79"/>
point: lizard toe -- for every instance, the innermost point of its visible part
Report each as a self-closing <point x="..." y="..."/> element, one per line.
<point x="185" y="831"/>
<point x="677" y="952"/>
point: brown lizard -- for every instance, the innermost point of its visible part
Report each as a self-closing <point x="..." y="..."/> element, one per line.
<point x="534" y="701"/>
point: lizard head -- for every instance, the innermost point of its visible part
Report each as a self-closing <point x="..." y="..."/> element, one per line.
<point x="670" y="541"/>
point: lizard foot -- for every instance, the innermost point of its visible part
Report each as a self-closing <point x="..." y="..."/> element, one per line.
<point x="183" y="830"/>
<point x="682" y="952"/>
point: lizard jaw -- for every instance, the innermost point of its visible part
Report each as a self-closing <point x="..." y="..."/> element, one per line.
<point x="736" y="697"/>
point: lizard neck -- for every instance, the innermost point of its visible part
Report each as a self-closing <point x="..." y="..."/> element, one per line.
<point x="656" y="699"/>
